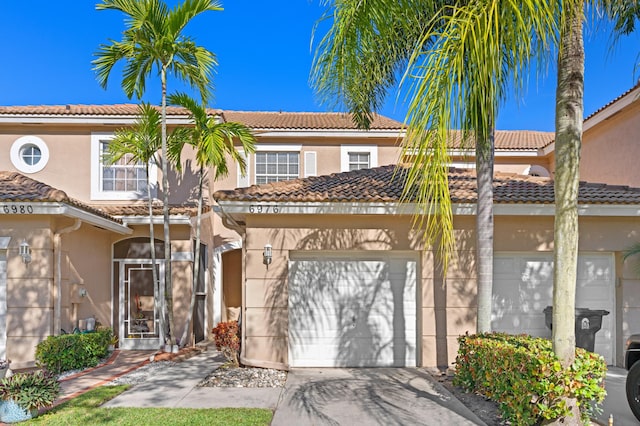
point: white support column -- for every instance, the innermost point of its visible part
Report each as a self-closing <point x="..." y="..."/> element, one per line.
<point x="4" y="244"/>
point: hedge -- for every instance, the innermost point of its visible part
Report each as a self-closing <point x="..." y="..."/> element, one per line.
<point x="73" y="351"/>
<point x="525" y="377"/>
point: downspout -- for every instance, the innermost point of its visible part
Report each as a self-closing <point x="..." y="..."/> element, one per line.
<point x="57" y="279"/>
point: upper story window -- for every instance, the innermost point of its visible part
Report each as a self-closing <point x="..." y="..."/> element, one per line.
<point x="359" y="160"/>
<point x="29" y="154"/>
<point x="123" y="180"/>
<point x="356" y="157"/>
<point x="277" y="166"/>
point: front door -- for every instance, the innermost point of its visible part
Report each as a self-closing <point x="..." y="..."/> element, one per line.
<point x="139" y="307"/>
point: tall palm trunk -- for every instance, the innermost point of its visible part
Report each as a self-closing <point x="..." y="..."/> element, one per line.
<point x="484" y="231"/>
<point x="569" y="116"/>
<point x="196" y="261"/>
<point x="168" y="285"/>
<point x="154" y="272"/>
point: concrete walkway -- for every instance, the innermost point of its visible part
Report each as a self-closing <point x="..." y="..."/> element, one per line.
<point x="615" y="404"/>
<point x="177" y="387"/>
<point x="362" y="396"/>
<point x="381" y="396"/>
<point x="368" y="396"/>
<point x="118" y="364"/>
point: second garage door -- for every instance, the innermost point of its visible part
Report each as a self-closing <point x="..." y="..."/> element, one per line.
<point x="352" y="310"/>
<point x="523" y="287"/>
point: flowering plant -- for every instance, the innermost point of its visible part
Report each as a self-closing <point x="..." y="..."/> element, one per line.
<point x="4" y="363"/>
<point x="227" y="340"/>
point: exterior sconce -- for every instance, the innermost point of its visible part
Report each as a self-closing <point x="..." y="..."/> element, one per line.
<point x="267" y="254"/>
<point x="25" y="252"/>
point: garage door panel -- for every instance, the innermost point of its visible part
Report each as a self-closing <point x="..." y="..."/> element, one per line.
<point x="362" y="312"/>
<point x="523" y="287"/>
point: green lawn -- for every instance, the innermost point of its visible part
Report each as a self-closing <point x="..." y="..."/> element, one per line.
<point x="85" y="410"/>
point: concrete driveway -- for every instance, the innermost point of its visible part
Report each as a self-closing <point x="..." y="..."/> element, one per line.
<point x="616" y="401"/>
<point x="368" y="396"/>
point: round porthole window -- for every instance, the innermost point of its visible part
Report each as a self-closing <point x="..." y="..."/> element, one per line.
<point x="29" y="154"/>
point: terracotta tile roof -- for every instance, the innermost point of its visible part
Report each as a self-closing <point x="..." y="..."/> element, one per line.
<point x="263" y="120"/>
<point x="255" y="120"/>
<point x="608" y="104"/>
<point x="81" y="110"/>
<point x="306" y="120"/>
<point x="385" y="184"/>
<point x="15" y="187"/>
<point x="509" y="140"/>
<point x="142" y="209"/>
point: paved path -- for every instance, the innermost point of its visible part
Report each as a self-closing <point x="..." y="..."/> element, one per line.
<point x="385" y="396"/>
<point x="177" y="387"/>
<point x="120" y="363"/>
<point x="616" y="401"/>
<point x="368" y="396"/>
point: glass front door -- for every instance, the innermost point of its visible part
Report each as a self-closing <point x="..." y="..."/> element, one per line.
<point x="139" y="313"/>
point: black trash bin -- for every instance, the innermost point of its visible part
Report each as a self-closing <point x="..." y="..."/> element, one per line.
<point x="588" y="322"/>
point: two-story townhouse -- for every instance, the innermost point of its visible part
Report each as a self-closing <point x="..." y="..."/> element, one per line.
<point x="86" y="225"/>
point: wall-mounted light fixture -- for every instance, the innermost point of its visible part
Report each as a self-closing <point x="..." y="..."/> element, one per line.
<point x="267" y="254"/>
<point x="25" y="252"/>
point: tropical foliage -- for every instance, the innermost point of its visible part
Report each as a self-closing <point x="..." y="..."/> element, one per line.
<point x="213" y="140"/>
<point x="154" y="40"/>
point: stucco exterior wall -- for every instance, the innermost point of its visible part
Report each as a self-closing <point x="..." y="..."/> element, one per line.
<point x="610" y="149"/>
<point x="31" y="288"/>
<point x="447" y="304"/>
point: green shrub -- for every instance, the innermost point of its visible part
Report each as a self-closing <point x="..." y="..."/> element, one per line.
<point x="73" y="351"/>
<point x="31" y="391"/>
<point x="525" y="377"/>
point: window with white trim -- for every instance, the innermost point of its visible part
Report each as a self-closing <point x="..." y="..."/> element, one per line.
<point x="277" y="166"/>
<point x="29" y="154"/>
<point x="356" y="157"/>
<point x="123" y="180"/>
<point x="359" y="160"/>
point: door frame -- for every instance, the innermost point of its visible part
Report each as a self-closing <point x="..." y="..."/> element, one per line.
<point x="151" y="343"/>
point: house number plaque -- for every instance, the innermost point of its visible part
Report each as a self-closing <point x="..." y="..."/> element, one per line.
<point x="259" y="208"/>
<point x="17" y="209"/>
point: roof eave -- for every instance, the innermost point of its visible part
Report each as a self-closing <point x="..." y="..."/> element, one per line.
<point x="67" y="210"/>
<point x="240" y="209"/>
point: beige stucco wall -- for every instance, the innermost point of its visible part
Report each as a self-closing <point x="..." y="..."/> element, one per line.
<point x="610" y="149"/>
<point x="31" y="288"/>
<point x="69" y="165"/>
<point x="447" y="305"/>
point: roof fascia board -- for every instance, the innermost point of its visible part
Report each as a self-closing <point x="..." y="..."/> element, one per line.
<point x="63" y="209"/>
<point x="106" y="120"/>
<point x="337" y="133"/>
<point x="459" y="209"/>
<point x="611" y="110"/>
<point x="498" y="153"/>
<point x="157" y="220"/>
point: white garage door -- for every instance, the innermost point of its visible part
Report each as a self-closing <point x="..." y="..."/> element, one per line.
<point x="348" y="310"/>
<point x="523" y="287"/>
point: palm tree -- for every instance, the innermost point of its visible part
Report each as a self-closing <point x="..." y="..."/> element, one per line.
<point x="457" y="79"/>
<point x="141" y="144"/>
<point x="153" y="39"/>
<point x="213" y="141"/>
<point x="453" y="66"/>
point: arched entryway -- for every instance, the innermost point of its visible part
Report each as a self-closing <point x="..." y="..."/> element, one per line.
<point x="137" y="313"/>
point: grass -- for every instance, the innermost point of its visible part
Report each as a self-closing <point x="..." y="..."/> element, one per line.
<point x="85" y="409"/>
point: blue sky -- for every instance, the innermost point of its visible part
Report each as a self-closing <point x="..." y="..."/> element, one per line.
<point x="264" y="54"/>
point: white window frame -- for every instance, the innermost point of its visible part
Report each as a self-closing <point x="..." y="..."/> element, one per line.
<point x="345" y="150"/>
<point x="96" y="174"/>
<point x="16" y="154"/>
<point x="278" y="148"/>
